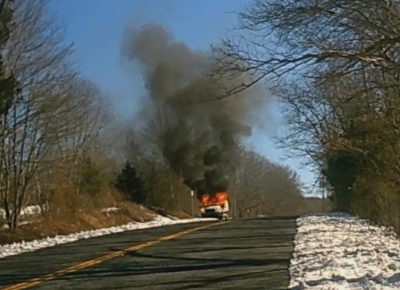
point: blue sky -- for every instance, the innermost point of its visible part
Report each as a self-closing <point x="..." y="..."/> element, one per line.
<point x="95" y="27"/>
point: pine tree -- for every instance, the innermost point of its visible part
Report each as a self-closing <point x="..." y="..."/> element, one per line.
<point x="8" y="83"/>
<point x="89" y="177"/>
<point x="130" y="184"/>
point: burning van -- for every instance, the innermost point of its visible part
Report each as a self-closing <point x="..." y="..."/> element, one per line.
<point x="215" y="205"/>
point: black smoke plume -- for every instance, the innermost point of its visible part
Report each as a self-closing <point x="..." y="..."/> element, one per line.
<point x="197" y="138"/>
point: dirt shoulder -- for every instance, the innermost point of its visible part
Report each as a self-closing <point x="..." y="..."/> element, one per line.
<point x="64" y="224"/>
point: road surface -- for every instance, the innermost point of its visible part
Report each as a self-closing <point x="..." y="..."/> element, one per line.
<point x="239" y="254"/>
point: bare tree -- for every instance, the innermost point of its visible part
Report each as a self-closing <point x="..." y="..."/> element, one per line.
<point x="36" y="56"/>
<point x="8" y="87"/>
<point x="264" y="187"/>
<point x="315" y="39"/>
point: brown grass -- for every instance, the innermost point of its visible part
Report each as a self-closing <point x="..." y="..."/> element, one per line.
<point x="76" y="221"/>
<point x="179" y="214"/>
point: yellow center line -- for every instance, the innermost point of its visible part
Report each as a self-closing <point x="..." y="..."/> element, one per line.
<point x="36" y="281"/>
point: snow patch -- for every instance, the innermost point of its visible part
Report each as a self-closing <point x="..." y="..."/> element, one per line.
<point x="110" y="209"/>
<point x="26" y="211"/>
<point x="20" y="224"/>
<point x="31" y="210"/>
<point x="338" y="251"/>
<point x="172" y="217"/>
<point x="24" y="247"/>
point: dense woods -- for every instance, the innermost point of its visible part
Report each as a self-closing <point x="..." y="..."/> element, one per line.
<point x="335" y="67"/>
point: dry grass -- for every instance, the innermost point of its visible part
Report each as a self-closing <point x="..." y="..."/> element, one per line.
<point x="179" y="214"/>
<point x="72" y="222"/>
<point x="71" y="213"/>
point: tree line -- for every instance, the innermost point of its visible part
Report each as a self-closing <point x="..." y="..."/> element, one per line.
<point x="335" y="67"/>
<point x="58" y="147"/>
<point x="257" y="185"/>
<point x="50" y="116"/>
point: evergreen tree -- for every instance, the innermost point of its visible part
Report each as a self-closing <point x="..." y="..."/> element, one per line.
<point x="8" y="83"/>
<point x="129" y="183"/>
<point x="89" y="177"/>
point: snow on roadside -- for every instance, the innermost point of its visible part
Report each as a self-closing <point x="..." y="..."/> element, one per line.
<point x="24" y="247"/>
<point x="338" y="252"/>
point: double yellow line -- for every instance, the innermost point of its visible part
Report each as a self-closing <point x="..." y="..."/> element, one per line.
<point x="90" y="263"/>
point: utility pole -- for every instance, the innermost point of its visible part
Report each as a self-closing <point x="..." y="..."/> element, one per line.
<point x="192" y="194"/>
<point x="324" y="182"/>
<point x="236" y="192"/>
<point x="323" y="195"/>
<point x="237" y="181"/>
<point x="234" y="206"/>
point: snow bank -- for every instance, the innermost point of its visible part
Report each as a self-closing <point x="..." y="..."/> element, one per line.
<point x="337" y="252"/>
<point x="23" y="247"/>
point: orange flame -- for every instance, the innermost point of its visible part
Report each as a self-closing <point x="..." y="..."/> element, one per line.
<point x="218" y="199"/>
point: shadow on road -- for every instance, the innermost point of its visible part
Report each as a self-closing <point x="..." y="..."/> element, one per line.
<point x="246" y="254"/>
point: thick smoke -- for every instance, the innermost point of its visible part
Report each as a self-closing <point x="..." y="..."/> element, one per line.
<point x="198" y="139"/>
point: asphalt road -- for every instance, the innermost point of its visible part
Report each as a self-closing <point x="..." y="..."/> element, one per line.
<point x="242" y="254"/>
